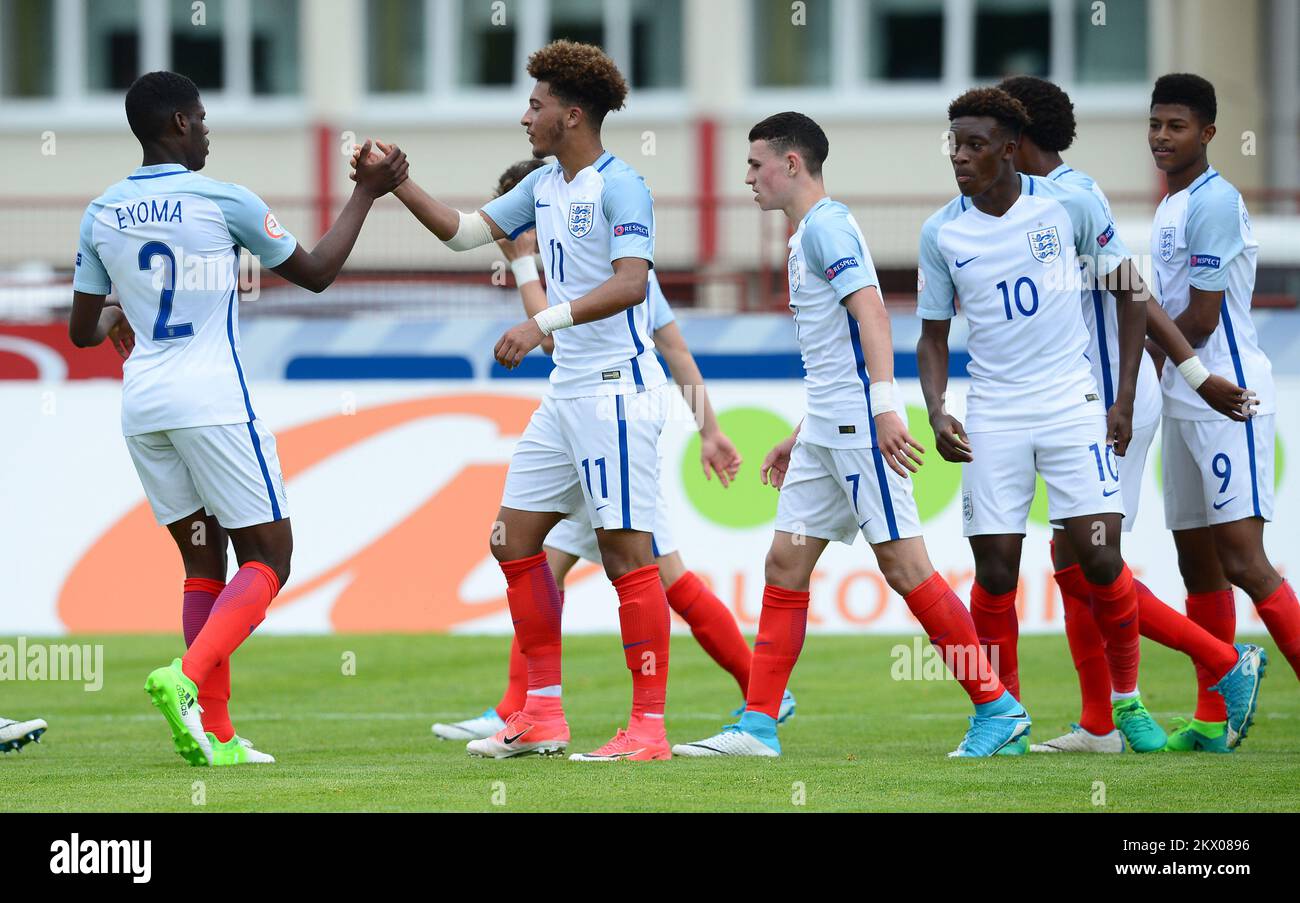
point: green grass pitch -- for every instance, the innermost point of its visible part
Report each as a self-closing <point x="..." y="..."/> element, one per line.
<point x="861" y="741"/>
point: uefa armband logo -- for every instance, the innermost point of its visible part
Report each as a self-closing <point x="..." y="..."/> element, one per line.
<point x="272" y="226"/>
<point x="1104" y="238"/>
<point x="839" y="266"/>
<point x="631" y="229"/>
<point x="1204" y="260"/>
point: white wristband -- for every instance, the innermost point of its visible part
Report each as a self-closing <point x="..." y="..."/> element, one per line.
<point x="882" y="399"/>
<point x="558" y="317"/>
<point x="1194" y="372"/>
<point x="525" y="270"/>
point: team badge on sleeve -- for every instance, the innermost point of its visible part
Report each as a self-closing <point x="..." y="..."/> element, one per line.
<point x="839" y="266"/>
<point x="582" y="216"/>
<point x="1045" y="244"/>
<point x="1167" y="243"/>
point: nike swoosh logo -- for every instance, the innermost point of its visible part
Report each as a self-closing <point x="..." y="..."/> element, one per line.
<point x="962" y="263"/>
<point x="1219" y="505"/>
<point x="509" y="740"/>
<point x="864" y="523"/>
<point x="540" y="205"/>
<point x="763" y="643"/>
<point x="637" y="643"/>
<point x="1107" y="495"/>
<point x="602" y="507"/>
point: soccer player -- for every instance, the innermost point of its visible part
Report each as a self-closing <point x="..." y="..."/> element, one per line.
<point x="17" y="734"/>
<point x="1017" y="250"/>
<point x="168" y="238"/>
<point x="845" y="470"/>
<point x="1050" y="131"/>
<point x="1218" y="473"/>
<point x="712" y="625"/>
<point x="593" y="442"/>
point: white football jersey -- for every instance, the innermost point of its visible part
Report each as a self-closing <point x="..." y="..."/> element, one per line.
<point x="1202" y="238"/>
<point x="583" y="226"/>
<point x="1102" y="319"/>
<point x="1020" y="277"/>
<point x="660" y="313"/>
<point x="169" y="240"/>
<point x="828" y="262"/>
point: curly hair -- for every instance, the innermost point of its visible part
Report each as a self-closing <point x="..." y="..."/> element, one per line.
<point x="993" y="102"/>
<point x="582" y="75"/>
<point x="514" y="174"/>
<point x="1051" y="115"/>
<point x="153" y="98"/>
<point x="1191" y="91"/>
<point x="784" y="131"/>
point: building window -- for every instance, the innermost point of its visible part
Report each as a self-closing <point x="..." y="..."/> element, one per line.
<point x="275" y="47"/>
<point x="1013" y="37"/>
<point x="656" y="44"/>
<point x="395" y="46"/>
<point x="112" y="44"/>
<point x="487" y="43"/>
<point x="26" y="48"/>
<point x="198" y="42"/>
<point x="904" y="40"/>
<point x="1115" y="51"/>
<point x="792" y="43"/>
<point x="578" y="20"/>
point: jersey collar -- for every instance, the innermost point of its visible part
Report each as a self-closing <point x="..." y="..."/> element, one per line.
<point x="1058" y="172"/>
<point x="807" y="216"/>
<point x="158" y="170"/>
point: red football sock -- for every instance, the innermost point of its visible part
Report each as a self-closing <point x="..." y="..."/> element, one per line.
<point x="1280" y="613"/>
<point x="536" y="607"/>
<point x="1114" y="608"/>
<point x="1158" y="622"/>
<point x="1088" y="651"/>
<point x="950" y="628"/>
<point x="214" y="694"/>
<point x="712" y="625"/>
<point x="643" y="617"/>
<point x="238" y="610"/>
<point x="998" y="627"/>
<point x="1217" y="613"/>
<point x="782" y="625"/>
<point x="513" y="699"/>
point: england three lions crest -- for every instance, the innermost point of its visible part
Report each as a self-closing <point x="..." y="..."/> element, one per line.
<point x="1167" y="236"/>
<point x="582" y="216"/>
<point x="1045" y="244"/>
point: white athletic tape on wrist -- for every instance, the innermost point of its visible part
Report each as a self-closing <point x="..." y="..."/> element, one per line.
<point x="525" y="270"/>
<point x="558" y="317"/>
<point x="882" y="398"/>
<point x="1194" y="372"/>
<point x="473" y="232"/>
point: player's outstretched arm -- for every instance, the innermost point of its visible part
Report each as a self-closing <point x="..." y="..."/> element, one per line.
<point x="932" y="365"/>
<point x="315" y="270"/>
<point x="900" y="450"/>
<point x="459" y="231"/>
<point x="1130" y="294"/>
<point x="91" y="322"/>
<point x="627" y="287"/>
<point x="1221" y="394"/>
<point x="717" y="452"/>
<point x="520" y="253"/>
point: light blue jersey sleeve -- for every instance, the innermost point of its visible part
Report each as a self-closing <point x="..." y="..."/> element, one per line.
<point x="252" y="224"/>
<point x="660" y="313"/>
<point x="514" y="212"/>
<point x="89" y="276"/>
<point x="1099" y="246"/>
<point x="1214" y="225"/>
<point x="832" y="248"/>
<point x="936" y="296"/>
<point x="628" y="207"/>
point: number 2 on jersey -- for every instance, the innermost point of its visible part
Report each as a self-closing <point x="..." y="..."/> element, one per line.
<point x="163" y="330"/>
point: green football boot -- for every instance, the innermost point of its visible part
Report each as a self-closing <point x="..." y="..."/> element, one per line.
<point x="1138" y="727"/>
<point x="176" y="696"/>
<point x="236" y="751"/>
<point x="1199" y="736"/>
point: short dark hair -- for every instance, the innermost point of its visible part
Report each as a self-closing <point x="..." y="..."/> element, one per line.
<point x="582" y="75"/>
<point x="995" y="103"/>
<point x="784" y="131"/>
<point x="1051" y="115"/>
<point x="514" y="174"/>
<point x="1189" y="90"/>
<point x="153" y="98"/>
